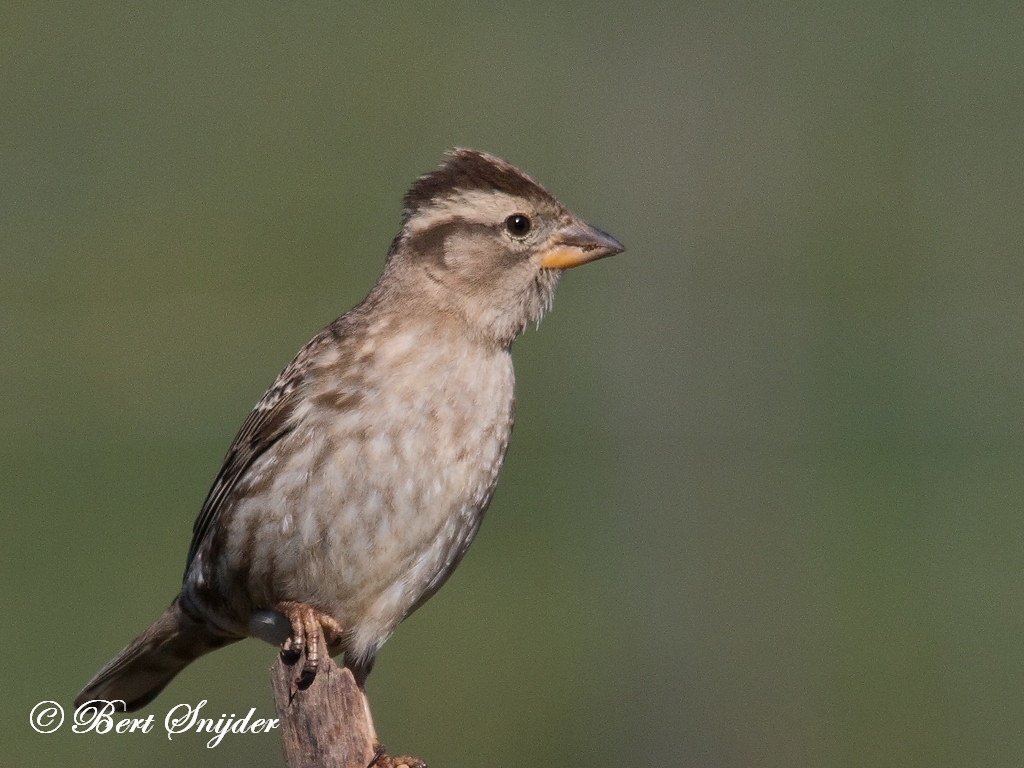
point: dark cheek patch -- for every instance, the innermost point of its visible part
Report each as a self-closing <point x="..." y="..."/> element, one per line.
<point x="429" y="244"/>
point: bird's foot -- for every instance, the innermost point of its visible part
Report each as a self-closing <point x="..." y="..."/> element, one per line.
<point x="313" y="634"/>
<point x="381" y="759"/>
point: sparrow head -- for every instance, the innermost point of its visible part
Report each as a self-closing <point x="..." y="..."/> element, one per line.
<point x="483" y="241"/>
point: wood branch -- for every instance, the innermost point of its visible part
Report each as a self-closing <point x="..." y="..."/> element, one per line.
<point x="323" y="726"/>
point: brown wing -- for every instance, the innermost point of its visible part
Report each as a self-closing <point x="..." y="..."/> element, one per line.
<point x="269" y="421"/>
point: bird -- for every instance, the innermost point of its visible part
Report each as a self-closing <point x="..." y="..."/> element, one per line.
<point x="357" y="483"/>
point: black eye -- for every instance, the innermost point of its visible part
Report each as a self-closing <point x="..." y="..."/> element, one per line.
<point x="518" y="225"/>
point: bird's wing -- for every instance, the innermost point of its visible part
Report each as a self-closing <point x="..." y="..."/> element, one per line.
<point x="267" y="424"/>
<point x="269" y="421"/>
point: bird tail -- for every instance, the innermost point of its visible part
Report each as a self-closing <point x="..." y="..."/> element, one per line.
<point x="150" y="661"/>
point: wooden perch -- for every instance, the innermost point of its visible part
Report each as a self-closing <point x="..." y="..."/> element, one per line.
<point x="323" y="726"/>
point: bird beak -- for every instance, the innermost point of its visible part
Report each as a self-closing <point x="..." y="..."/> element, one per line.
<point x="578" y="243"/>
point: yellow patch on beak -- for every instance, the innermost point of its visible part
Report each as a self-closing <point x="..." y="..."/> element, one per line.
<point x="578" y="243"/>
<point x="565" y="257"/>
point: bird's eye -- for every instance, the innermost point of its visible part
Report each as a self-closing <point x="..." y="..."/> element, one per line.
<point x="518" y="225"/>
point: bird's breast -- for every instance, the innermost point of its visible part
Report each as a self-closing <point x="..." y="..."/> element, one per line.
<point x="378" y="491"/>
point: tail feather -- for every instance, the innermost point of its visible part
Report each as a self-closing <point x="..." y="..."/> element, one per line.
<point x="150" y="661"/>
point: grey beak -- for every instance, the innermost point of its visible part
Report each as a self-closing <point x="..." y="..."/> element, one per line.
<point x="578" y="243"/>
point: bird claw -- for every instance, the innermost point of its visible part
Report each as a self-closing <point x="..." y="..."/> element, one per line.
<point x="381" y="759"/>
<point x="313" y="635"/>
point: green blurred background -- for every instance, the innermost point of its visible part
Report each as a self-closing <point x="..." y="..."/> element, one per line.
<point x="762" y="505"/>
